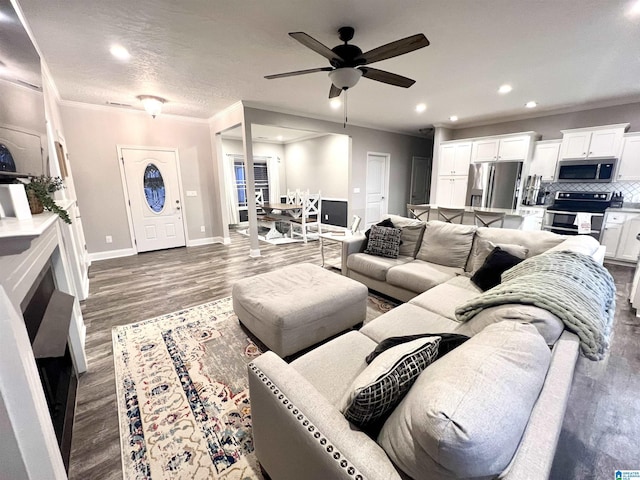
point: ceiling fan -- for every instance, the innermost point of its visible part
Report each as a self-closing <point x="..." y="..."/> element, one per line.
<point x="348" y="63"/>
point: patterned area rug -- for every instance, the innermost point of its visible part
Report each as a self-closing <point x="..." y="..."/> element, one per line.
<point x="183" y="398"/>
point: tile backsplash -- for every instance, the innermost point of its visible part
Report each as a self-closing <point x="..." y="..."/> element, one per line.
<point x="630" y="190"/>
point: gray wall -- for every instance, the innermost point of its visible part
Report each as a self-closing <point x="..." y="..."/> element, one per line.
<point x="320" y="165"/>
<point x="400" y="147"/>
<point x="549" y="126"/>
<point x="92" y="135"/>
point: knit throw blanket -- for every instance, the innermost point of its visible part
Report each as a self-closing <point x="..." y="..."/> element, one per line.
<point x="571" y="285"/>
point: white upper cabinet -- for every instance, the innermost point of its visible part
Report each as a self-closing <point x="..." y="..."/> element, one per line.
<point x="629" y="163"/>
<point x="545" y="159"/>
<point x="594" y="142"/>
<point x="454" y="158"/>
<point x="501" y="149"/>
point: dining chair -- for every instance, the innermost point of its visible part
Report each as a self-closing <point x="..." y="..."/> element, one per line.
<point x="419" y="212"/>
<point x="310" y="216"/>
<point x="487" y="219"/>
<point x="451" y="215"/>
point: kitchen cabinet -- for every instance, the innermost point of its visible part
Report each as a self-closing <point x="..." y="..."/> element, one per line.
<point x="593" y="142"/>
<point x="619" y="236"/>
<point x="451" y="191"/>
<point x="629" y="162"/>
<point x="545" y="159"/>
<point x="533" y="222"/>
<point x="501" y="149"/>
<point x="454" y="158"/>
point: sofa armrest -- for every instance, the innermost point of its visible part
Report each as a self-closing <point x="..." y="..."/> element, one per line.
<point x="354" y="244"/>
<point x="537" y="449"/>
<point x="298" y="434"/>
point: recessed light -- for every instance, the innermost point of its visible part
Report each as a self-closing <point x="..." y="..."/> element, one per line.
<point x="4" y="17"/>
<point x="453" y="118"/>
<point x="506" y="88"/>
<point x="421" y="107"/>
<point x="120" y="52"/>
<point x="634" y="11"/>
<point x="531" y="104"/>
<point x="335" y="103"/>
<point x="280" y="138"/>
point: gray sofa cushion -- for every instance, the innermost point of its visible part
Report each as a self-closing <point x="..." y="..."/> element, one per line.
<point x="547" y="324"/>
<point x="463" y="281"/>
<point x="466" y="413"/>
<point x="536" y="241"/>
<point x="372" y="266"/>
<point x="446" y="244"/>
<point x="407" y="319"/>
<point x="483" y="247"/>
<point x="419" y="276"/>
<point x="444" y="299"/>
<point x="412" y="231"/>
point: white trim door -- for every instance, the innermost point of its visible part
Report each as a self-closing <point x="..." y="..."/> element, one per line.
<point x="376" y="187"/>
<point x="153" y="190"/>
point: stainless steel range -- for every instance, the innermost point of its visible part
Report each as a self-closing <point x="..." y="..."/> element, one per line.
<point x="561" y="216"/>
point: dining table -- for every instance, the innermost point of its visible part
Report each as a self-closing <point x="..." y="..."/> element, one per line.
<point x="286" y="212"/>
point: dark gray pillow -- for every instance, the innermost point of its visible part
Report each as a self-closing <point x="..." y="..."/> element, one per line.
<point x="384" y="242"/>
<point x="411" y="238"/>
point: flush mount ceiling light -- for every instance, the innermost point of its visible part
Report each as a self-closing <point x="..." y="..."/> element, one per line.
<point x="453" y="118"/>
<point x="505" y="89"/>
<point x="634" y="11"/>
<point x="152" y="104"/>
<point x="120" y="52"/>
<point x="421" y="107"/>
<point x="531" y="104"/>
<point x="335" y="103"/>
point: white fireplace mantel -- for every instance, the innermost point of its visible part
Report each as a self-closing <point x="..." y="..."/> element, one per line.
<point x="28" y="445"/>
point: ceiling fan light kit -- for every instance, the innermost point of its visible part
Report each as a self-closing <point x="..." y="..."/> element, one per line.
<point x="344" y="78"/>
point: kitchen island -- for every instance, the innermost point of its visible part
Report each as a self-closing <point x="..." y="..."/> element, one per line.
<point x="520" y="218"/>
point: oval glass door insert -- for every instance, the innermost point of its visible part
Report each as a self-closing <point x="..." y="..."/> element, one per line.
<point x="154" y="189"/>
<point x="6" y="159"/>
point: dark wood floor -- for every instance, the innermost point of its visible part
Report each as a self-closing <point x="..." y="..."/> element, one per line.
<point x="134" y="288"/>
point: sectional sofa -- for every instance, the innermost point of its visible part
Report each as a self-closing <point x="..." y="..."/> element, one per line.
<point x="491" y="408"/>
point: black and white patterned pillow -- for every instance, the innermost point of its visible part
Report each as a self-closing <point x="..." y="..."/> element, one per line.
<point x="384" y="241"/>
<point x="381" y="386"/>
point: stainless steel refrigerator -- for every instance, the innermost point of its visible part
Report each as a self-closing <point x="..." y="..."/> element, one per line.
<point x="493" y="184"/>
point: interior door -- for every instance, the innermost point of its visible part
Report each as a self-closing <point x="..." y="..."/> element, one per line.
<point x="376" y="202"/>
<point x="420" y="176"/>
<point x="154" y="196"/>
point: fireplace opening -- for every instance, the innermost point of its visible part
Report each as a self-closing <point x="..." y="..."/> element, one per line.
<point x="47" y="314"/>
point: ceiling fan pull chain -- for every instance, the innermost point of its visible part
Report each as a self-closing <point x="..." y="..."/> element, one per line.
<point x="345" y="108"/>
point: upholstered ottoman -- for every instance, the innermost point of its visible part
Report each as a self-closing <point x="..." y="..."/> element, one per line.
<point x="298" y="306"/>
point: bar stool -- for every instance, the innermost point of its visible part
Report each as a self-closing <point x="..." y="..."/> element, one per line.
<point x="486" y="219"/>
<point x="419" y="211"/>
<point x="451" y="215"/>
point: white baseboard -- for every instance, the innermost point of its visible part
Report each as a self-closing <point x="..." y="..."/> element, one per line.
<point x="224" y="241"/>
<point x="201" y="241"/>
<point x="124" y="252"/>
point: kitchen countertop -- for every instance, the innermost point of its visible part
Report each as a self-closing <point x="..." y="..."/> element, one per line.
<point x="523" y="211"/>
<point x="626" y="208"/>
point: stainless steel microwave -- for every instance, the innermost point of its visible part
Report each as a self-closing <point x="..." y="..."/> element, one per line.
<point x="601" y="170"/>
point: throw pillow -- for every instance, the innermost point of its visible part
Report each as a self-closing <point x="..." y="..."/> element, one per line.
<point x="384" y="223"/>
<point x="483" y="247"/>
<point x="489" y="274"/>
<point x="411" y="238"/>
<point x="384" y="242"/>
<point x="446" y="244"/>
<point x="448" y="341"/>
<point x="381" y="386"/>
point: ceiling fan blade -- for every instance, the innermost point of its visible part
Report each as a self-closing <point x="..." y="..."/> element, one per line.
<point x="393" y="49"/>
<point x="334" y="91"/>
<point x="310" y="42"/>
<point x="298" y="72"/>
<point x="387" y="77"/>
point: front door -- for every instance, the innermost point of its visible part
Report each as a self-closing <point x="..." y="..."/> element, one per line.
<point x="154" y="197"/>
<point x="377" y="173"/>
<point x="420" y="174"/>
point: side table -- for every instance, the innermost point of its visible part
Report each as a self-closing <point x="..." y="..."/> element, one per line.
<point x="338" y="237"/>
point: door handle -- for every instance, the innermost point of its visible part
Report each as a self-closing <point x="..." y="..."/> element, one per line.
<point x="177" y="208"/>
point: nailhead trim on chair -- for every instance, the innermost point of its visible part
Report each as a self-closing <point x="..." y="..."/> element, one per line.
<point x="337" y="456"/>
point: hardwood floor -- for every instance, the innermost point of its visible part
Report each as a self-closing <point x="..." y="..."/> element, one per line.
<point x="131" y="289"/>
<point x="134" y="288"/>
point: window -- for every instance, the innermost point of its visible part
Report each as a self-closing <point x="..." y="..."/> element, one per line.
<point x="261" y="181"/>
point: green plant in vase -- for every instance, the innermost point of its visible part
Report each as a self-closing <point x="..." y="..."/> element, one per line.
<point x="41" y="188"/>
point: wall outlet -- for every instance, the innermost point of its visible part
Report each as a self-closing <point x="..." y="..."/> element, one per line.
<point x="326" y="217"/>
<point x="192" y="193"/>
<point x="108" y="239"/>
<point x="202" y="229"/>
<point x="356" y="190"/>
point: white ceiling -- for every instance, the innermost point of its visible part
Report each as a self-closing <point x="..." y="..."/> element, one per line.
<point x="203" y="56"/>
